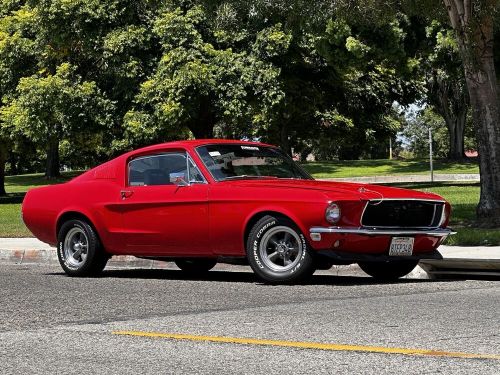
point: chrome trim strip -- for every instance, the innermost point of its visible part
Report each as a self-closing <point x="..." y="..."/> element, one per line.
<point x="434" y="214"/>
<point x="407" y="199"/>
<point x="443" y="215"/>
<point x="439" y="232"/>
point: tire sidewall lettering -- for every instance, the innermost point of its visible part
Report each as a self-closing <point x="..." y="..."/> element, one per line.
<point x="304" y="247"/>
<point x="60" y="246"/>
<point x="264" y="228"/>
<point x="255" y="246"/>
<point x="255" y="254"/>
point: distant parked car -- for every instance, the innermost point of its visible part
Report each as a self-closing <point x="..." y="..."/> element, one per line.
<point x="206" y="201"/>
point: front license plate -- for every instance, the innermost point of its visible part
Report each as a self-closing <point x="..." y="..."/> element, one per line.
<point x="401" y="246"/>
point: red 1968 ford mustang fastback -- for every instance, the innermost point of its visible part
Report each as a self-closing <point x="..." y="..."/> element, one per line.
<point x="206" y="201"/>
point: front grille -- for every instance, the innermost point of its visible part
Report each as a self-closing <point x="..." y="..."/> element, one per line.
<point x="402" y="214"/>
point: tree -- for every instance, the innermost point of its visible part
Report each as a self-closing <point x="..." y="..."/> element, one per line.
<point x="374" y="66"/>
<point x="446" y="86"/>
<point x="198" y="85"/>
<point x="3" y="159"/>
<point x="416" y="133"/>
<point x="106" y="43"/>
<point x="474" y="27"/>
<point x="16" y="59"/>
<point x="50" y="108"/>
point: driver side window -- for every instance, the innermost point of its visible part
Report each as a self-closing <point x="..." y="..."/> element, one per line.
<point x="162" y="169"/>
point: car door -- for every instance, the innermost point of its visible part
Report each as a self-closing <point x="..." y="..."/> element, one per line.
<point x="164" y="206"/>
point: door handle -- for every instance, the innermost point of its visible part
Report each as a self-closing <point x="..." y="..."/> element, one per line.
<point x="126" y="193"/>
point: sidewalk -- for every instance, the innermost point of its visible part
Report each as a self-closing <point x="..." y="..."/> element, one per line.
<point x="471" y="260"/>
<point x="457" y="260"/>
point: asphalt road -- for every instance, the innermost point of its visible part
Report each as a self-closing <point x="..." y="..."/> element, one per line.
<point x="50" y="323"/>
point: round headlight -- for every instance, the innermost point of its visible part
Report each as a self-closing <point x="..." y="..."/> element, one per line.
<point x="332" y="213"/>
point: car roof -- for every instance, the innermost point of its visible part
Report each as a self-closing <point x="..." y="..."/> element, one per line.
<point x="192" y="143"/>
<point x="187" y="144"/>
<point x="200" y="142"/>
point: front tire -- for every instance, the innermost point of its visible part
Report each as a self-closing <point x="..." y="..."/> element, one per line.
<point x="278" y="251"/>
<point x="390" y="270"/>
<point x="79" y="250"/>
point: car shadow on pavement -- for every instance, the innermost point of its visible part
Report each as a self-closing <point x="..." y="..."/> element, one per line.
<point x="243" y="277"/>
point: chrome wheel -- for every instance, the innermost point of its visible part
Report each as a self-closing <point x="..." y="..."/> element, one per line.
<point x="75" y="247"/>
<point x="281" y="249"/>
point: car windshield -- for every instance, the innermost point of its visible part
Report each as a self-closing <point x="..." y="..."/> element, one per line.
<point x="240" y="161"/>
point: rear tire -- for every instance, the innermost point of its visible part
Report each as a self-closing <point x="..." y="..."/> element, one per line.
<point x="390" y="270"/>
<point x="79" y="250"/>
<point x="195" y="266"/>
<point x="278" y="251"/>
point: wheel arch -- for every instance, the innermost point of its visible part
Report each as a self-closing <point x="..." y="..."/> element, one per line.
<point x="256" y="216"/>
<point x="75" y="215"/>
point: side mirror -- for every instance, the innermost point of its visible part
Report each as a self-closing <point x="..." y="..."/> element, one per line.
<point x="179" y="181"/>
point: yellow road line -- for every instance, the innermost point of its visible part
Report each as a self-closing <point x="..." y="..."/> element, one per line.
<point x="308" y="345"/>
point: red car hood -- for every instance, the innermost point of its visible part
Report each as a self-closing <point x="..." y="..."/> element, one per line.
<point x="346" y="189"/>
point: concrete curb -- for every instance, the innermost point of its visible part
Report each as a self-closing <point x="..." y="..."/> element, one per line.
<point x="49" y="257"/>
<point x="478" y="261"/>
<point x="471" y="261"/>
<point x="38" y="253"/>
<point x="461" y="267"/>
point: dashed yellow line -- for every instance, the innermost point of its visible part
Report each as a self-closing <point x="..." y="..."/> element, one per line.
<point x="308" y="345"/>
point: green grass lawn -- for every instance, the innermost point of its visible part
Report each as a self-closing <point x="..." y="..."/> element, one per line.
<point x="11" y="224"/>
<point x="462" y="196"/>
<point x="22" y="183"/>
<point x="361" y="168"/>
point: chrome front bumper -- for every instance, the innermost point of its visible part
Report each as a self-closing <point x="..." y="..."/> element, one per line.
<point x="315" y="232"/>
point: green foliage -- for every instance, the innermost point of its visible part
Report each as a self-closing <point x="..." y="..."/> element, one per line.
<point x="198" y="86"/>
<point x="70" y="70"/>
<point x="289" y="73"/>
<point x="17" y="48"/>
<point x="55" y="106"/>
<point x="374" y="67"/>
<point x="271" y="42"/>
<point x="312" y="76"/>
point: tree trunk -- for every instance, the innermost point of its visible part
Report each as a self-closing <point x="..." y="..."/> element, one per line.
<point x="475" y="38"/>
<point x="3" y="160"/>
<point x="284" y="141"/>
<point x="450" y="100"/>
<point x="202" y="131"/>
<point x="456" y="128"/>
<point x="485" y="113"/>
<point x="203" y="126"/>
<point x="52" y="168"/>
